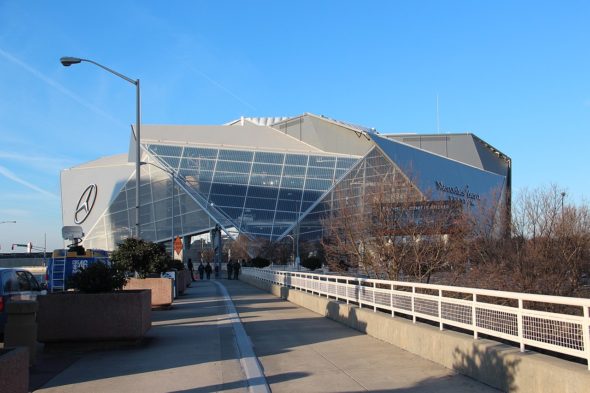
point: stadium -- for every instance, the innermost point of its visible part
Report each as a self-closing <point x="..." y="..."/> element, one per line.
<point x="268" y="178"/>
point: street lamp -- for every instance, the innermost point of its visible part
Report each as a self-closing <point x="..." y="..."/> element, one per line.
<point x="562" y="197"/>
<point x="7" y="222"/>
<point x="293" y="252"/>
<point x="171" y="173"/>
<point x="68" y="61"/>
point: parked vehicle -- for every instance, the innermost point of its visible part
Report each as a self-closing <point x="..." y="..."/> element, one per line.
<point x="16" y="284"/>
<point x="64" y="263"/>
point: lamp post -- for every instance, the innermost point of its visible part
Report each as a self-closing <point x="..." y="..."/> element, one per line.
<point x="562" y="197"/>
<point x="68" y="61"/>
<point x="171" y="173"/>
<point x="293" y="252"/>
<point x="7" y="222"/>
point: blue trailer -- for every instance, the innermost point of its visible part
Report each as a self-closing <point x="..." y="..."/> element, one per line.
<point x="64" y="263"/>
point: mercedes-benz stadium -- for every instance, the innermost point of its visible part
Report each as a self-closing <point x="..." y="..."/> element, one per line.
<point x="267" y="178"/>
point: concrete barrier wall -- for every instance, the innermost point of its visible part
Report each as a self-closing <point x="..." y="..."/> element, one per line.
<point x="495" y="364"/>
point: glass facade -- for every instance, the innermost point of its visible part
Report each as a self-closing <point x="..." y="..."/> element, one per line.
<point x="258" y="194"/>
<point x="272" y="194"/>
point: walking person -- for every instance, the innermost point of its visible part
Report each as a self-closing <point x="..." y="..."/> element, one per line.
<point x="191" y="269"/>
<point x="208" y="271"/>
<point x="236" y="270"/>
<point x="201" y="270"/>
<point x="230" y="266"/>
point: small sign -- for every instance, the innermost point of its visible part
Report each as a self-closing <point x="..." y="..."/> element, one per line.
<point x="177" y="245"/>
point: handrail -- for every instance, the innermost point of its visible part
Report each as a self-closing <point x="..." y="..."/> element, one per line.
<point x="558" y="332"/>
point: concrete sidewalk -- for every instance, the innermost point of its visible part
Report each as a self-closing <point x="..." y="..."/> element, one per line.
<point x="192" y="348"/>
<point x="301" y="351"/>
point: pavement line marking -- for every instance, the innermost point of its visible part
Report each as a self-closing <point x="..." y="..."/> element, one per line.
<point x="248" y="360"/>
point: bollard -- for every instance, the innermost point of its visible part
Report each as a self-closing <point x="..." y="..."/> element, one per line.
<point x="21" y="326"/>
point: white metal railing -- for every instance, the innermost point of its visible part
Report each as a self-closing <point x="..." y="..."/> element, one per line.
<point x="504" y="315"/>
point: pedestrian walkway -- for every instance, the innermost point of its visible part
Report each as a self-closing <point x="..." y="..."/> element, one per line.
<point x="193" y="348"/>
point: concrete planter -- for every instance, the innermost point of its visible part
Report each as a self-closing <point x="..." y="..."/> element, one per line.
<point x="161" y="288"/>
<point x="14" y="370"/>
<point x="183" y="280"/>
<point x="74" y="316"/>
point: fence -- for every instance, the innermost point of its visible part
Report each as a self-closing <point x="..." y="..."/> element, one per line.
<point x="506" y="315"/>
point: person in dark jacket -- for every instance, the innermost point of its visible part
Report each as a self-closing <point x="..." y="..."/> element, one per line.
<point x="230" y="267"/>
<point x="208" y="271"/>
<point x="201" y="270"/>
<point x="191" y="268"/>
<point x="236" y="270"/>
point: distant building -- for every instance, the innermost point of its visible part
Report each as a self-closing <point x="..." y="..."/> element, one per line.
<point x="267" y="177"/>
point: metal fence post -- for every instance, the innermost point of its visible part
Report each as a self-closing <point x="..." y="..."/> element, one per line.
<point x="413" y="301"/>
<point x="440" y="317"/>
<point x="520" y="325"/>
<point x="586" y="335"/>
<point x="474" y="316"/>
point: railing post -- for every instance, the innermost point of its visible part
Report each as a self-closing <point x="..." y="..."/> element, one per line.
<point x="347" y="286"/>
<point x="391" y="300"/>
<point x="586" y="334"/>
<point x="474" y="316"/>
<point x="374" y="297"/>
<point x="358" y="292"/>
<point x="440" y="318"/>
<point x="413" y="299"/>
<point x="520" y="325"/>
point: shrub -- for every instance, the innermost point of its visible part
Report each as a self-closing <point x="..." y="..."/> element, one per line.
<point x="312" y="263"/>
<point x="98" y="277"/>
<point x="136" y="255"/>
<point x="260" y="262"/>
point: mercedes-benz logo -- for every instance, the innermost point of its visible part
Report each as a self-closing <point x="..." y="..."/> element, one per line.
<point x="85" y="204"/>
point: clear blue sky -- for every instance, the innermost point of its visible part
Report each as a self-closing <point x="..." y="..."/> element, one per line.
<point x="515" y="73"/>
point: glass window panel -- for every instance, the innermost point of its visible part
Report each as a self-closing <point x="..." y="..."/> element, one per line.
<point x="161" y="189"/>
<point x="172" y="162"/>
<point x="262" y="216"/>
<point x="345" y="163"/>
<point x="296" y="159"/>
<point x="260" y="230"/>
<point x="148" y="232"/>
<point x="231" y="178"/>
<point x="263" y="192"/>
<point x="290" y="194"/>
<point x="340" y="173"/>
<point x="267" y="169"/>
<point x="200" y="152"/>
<point x="269" y="158"/>
<point x="228" y="200"/>
<point x="306" y="205"/>
<point x="228" y="189"/>
<point x="195" y="222"/>
<point x="313" y="196"/>
<point x="320" y="173"/>
<point x="294" y="171"/>
<point x="163" y="229"/>
<point x="162" y="209"/>
<point x="285" y="218"/>
<point x="233" y="213"/>
<point x="322" y="161"/>
<point x="288" y="206"/>
<point x="203" y="187"/>
<point x="265" y="180"/>
<point x="187" y="204"/>
<point x="165" y="150"/>
<point x="236" y="155"/>
<point x="293" y="182"/>
<point x="317" y="184"/>
<point x="197" y="164"/>
<point x="120" y="203"/>
<point x="232" y="166"/>
<point x="145" y="194"/>
<point x="260" y="203"/>
<point x="146" y="213"/>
